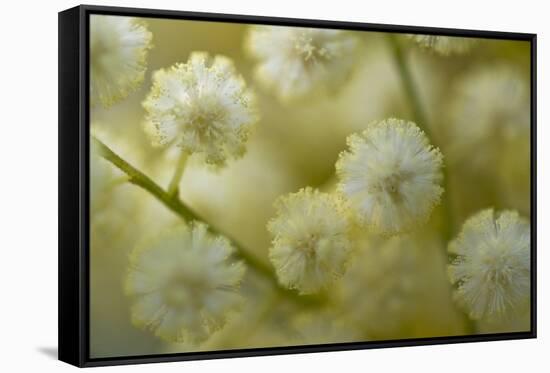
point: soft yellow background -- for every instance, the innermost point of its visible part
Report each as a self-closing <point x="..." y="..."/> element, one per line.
<point x="293" y="146"/>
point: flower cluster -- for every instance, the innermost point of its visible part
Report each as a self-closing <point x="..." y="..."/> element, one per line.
<point x="492" y="265"/>
<point x="295" y="61"/>
<point x="311" y="242"/>
<point x="393" y="285"/>
<point x="118" y="52"/>
<point x="391" y="176"/>
<point x="202" y="106"/>
<point x="184" y="283"/>
<point x="490" y="108"/>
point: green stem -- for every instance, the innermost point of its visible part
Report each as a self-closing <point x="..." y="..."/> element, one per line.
<point x="421" y="121"/>
<point x="408" y="84"/>
<point x="173" y="203"/>
<point x="173" y="188"/>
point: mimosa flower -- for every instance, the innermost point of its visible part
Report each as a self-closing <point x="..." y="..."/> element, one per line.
<point x="492" y="265"/>
<point x="184" y="284"/>
<point x="118" y="52"/>
<point x="384" y="290"/>
<point x="311" y="240"/>
<point x="203" y="107"/>
<point x="295" y="61"/>
<point x="391" y="176"/>
<point x="393" y="286"/>
<point x="491" y="108"/>
<point x="444" y="45"/>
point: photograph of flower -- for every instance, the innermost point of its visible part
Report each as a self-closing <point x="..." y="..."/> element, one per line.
<point x="259" y="186"/>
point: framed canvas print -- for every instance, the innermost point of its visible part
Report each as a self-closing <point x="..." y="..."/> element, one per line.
<point x="237" y="186"/>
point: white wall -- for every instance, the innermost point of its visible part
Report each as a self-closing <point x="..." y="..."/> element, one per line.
<point x="28" y="182"/>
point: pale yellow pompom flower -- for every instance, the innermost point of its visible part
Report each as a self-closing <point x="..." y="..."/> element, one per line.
<point x="296" y="61"/>
<point x="390" y="176"/>
<point x="311" y="242"/>
<point x="393" y="286"/>
<point x="490" y="109"/>
<point x="444" y="45"/>
<point x="184" y="283"/>
<point x="492" y="264"/>
<point x="202" y="106"/>
<point x="118" y="52"/>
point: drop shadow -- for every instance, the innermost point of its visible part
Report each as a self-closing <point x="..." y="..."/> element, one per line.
<point x="50" y="352"/>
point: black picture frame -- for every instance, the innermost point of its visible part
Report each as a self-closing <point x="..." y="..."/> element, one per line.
<point x="74" y="185"/>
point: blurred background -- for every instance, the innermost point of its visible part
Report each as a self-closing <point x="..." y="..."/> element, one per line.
<point x="477" y="106"/>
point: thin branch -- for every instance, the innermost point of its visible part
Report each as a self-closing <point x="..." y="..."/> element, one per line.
<point x="173" y="203"/>
<point x="173" y="188"/>
<point x="421" y="121"/>
<point x="408" y="84"/>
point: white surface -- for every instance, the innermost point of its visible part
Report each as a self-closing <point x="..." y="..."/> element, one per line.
<point x="28" y="196"/>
